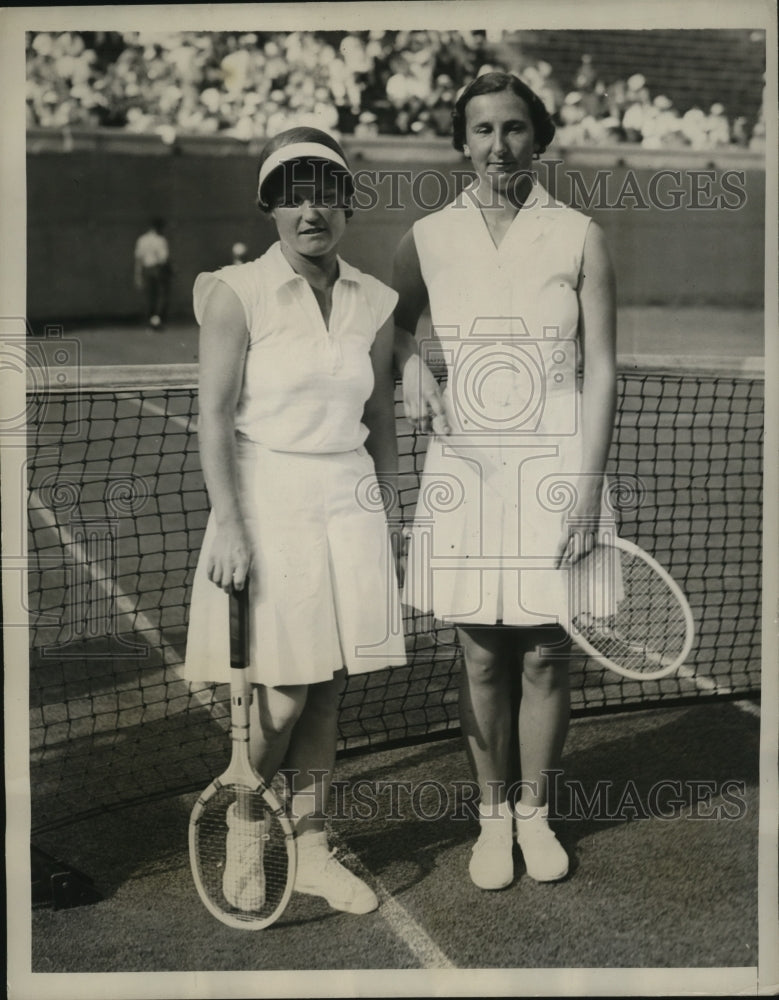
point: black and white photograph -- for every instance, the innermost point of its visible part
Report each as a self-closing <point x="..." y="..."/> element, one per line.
<point x="389" y="499"/>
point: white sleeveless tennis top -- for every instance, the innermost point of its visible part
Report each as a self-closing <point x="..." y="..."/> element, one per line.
<point x="507" y="317"/>
<point x="305" y="384"/>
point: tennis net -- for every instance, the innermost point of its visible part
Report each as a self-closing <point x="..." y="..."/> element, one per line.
<point x="117" y="510"/>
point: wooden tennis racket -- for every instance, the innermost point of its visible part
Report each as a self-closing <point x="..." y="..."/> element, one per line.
<point x="241" y="843"/>
<point x="627" y="613"/>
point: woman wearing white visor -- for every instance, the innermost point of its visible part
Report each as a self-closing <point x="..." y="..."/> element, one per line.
<point x="297" y="438"/>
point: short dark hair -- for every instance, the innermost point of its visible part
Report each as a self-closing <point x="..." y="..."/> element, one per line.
<point x="496" y="83"/>
<point x="273" y="185"/>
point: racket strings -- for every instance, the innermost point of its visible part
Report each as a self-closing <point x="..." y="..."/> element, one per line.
<point x="626" y="611"/>
<point x="243" y="865"/>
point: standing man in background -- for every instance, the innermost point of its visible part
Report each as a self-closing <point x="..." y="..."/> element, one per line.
<point x="152" y="271"/>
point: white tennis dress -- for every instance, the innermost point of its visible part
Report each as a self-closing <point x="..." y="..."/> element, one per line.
<point x="323" y="588"/>
<point x="494" y="495"/>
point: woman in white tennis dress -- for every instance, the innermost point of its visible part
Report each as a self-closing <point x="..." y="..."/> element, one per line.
<point x="297" y="437"/>
<point x="521" y="296"/>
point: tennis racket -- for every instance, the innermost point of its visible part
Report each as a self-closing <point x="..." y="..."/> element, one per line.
<point x="241" y="843"/>
<point x="627" y="612"/>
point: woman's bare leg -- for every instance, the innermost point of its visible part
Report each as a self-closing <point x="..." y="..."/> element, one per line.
<point x="310" y="757"/>
<point x="485" y="708"/>
<point x="543" y="716"/>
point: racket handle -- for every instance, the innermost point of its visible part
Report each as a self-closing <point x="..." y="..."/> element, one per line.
<point x="239" y="627"/>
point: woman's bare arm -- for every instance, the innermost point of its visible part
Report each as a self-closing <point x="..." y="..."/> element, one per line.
<point x="421" y="395"/>
<point x="223" y="343"/>
<point x="597" y="327"/>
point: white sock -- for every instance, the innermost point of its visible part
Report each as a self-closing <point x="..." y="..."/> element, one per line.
<point x="499" y="811"/>
<point x="312" y="843"/>
<point x="525" y="812"/>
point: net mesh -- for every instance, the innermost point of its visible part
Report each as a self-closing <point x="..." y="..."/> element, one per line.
<point x="117" y="510"/>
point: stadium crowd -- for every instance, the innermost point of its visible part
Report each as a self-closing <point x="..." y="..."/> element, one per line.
<point x="251" y="85"/>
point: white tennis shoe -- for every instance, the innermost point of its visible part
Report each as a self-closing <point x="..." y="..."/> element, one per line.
<point x="545" y="857"/>
<point x="243" y="880"/>
<point x="492" y="863"/>
<point x="319" y="873"/>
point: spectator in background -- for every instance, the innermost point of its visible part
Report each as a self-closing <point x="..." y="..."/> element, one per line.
<point x="153" y="271"/>
<point x="367" y="126"/>
<point x="595" y="101"/>
<point x="617" y="99"/>
<point x="637" y="103"/>
<point x="423" y="125"/>
<point x="457" y="56"/>
<point x="378" y="48"/>
<point x="239" y="252"/>
<point x="757" y="140"/>
<point x="758" y="136"/>
<point x="580" y="127"/>
<point x="572" y="129"/>
<point x="277" y="119"/>
<point x="738" y="135"/>
<point x="586" y="76"/>
<point x="236" y="67"/>
<point x="717" y="127"/>
<point x="693" y="127"/>
<point x="405" y="94"/>
<point x="702" y="131"/>
<point x="612" y="130"/>
<point x="593" y="90"/>
<point x="662" y="125"/>
<point x="548" y="88"/>
<point x="443" y="98"/>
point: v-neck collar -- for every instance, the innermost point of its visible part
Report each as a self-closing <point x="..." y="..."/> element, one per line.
<point x="527" y="225"/>
<point x="282" y="273"/>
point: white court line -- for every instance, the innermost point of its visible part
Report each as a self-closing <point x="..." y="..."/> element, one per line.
<point x="708" y="684"/>
<point x="126" y="606"/>
<point x="399" y="920"/>
<point x="749" y="707"/>
<point x="149" y="408"/>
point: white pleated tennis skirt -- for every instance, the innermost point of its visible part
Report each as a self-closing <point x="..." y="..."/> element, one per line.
<point x="488" y="520"/>
<point x="323" y="590"/>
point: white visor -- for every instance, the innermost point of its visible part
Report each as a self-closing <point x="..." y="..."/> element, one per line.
<point x="297" y="151"/>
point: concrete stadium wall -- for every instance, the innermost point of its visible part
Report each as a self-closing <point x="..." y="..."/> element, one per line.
<point x="88" y="202"/>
